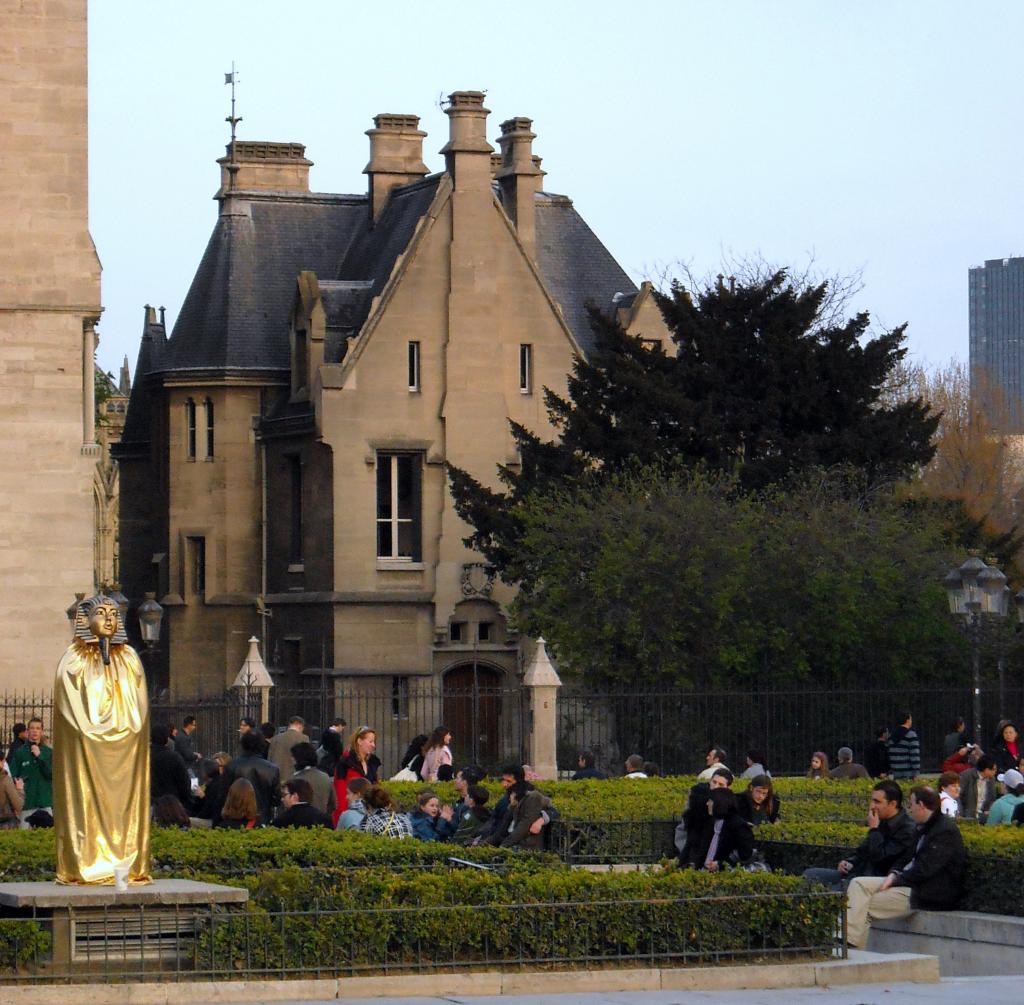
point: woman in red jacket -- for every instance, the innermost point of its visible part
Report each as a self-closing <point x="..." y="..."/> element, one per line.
<point x="358" y="761"/>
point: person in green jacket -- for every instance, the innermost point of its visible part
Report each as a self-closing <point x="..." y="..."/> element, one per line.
<point x="33" y="764"/>
<point x="1003" y="807"/>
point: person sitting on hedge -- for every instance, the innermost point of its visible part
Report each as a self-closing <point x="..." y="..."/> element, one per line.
<point x="474" y="815"/>
<point x="757" y="765"/>
<point x="846" y="768"/>
<point x="690" y="825"/>
<point x="168" y="812"/>
<point x="819" y="765"/>
<point x="383" y="816"/>
<point x="239" y="811"/>
<point x="1003" y="808"/>
<point x="531" y="810"/>
<point x="587" y="769"/>
<point x="501" y="818"/>
<point x="962" y="758"/>
<point x="430" y="820"/>
<point x="298" y="809"/>
<point x="353" y="816"/>
<point x="725" y="837"/>
<point x="949" y="793"/>
<point x="469" y="774"/>
<point x="759" y="804"/>
<point x="714" y="759"/>
<point x="889" y="843"/>
<point x="978" y="789"/>
<point x="932" y="880"/>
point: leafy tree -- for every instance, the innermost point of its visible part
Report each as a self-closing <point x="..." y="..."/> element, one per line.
<point x="684" y="579"/>
<point x="763" y="384"/>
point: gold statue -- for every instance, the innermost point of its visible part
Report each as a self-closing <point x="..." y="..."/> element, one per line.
<point x="101" y="753"/>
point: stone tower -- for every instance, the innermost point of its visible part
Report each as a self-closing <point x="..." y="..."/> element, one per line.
<point x="49" y="305"/>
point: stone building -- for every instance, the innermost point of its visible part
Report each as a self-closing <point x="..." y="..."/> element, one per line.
<point x="283" y="461"/>
<point x="111" y="411"/>
<point x="49" y="305"/>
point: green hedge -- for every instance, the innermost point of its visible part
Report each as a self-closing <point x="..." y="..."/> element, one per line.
<point x="431" y="919"/>
<point x="351" y="902"/>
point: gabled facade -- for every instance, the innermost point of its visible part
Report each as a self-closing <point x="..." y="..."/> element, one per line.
<point x="333" y="354"/>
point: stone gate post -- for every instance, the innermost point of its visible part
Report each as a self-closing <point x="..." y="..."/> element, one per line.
<point x="543" y="683"/>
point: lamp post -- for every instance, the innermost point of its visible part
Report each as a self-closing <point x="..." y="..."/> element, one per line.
<point x="975" y="590"/>
<point x="151" y="616"/>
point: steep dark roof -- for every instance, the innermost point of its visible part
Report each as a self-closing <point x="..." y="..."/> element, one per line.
<point x="237" y="311"/>
<point x="575" y="265"/>
<point x="373" y="253"/>
<point x="137" y="419"/>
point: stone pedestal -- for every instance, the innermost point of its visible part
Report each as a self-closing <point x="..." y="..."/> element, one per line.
<point x="543" y="682"/>
<point x="101" y="927"/>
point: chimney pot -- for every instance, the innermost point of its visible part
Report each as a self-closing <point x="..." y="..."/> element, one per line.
<point x="519" y="177"/>
<point x="467" y="140"/>
<point x="261" y="166"/>
<point x="396" y="156"/>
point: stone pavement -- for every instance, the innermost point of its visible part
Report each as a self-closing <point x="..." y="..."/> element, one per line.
<point x="950" y="991"/>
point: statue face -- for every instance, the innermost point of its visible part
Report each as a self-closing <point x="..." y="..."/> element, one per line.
<point x="103" y="621"/>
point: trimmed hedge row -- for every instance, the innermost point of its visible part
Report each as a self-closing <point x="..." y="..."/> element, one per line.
<point x="395" y="903"/>
<point x="407" y="920"/>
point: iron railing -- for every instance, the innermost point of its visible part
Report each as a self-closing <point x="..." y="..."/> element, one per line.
<point x="675" y="728"/>
<point x="149" y="943"/>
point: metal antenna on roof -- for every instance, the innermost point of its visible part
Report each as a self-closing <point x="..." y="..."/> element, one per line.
<point x="232" y="79"/>
<point x="442" y="101"/>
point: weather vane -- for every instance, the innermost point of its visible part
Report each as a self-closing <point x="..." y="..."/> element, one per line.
<point x="232" y="79"/>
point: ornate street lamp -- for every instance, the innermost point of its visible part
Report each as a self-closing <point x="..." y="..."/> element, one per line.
<point x="151" y="616"/>
<point x="974" y="590"/>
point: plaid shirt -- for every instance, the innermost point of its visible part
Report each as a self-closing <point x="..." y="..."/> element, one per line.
<point x="387" y="823"/>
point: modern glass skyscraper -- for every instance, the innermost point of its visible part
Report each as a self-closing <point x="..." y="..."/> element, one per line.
<point x="996" y="292"/>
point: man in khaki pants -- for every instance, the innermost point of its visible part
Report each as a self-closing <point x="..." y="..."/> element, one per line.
<point x="931" y="881"/>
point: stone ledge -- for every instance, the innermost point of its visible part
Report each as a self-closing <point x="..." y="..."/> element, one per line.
<point x="860" y="968"/>
<point x="50" y="896"/>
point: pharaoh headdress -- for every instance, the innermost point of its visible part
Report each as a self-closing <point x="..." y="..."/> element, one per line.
<point x="84" y="613"/>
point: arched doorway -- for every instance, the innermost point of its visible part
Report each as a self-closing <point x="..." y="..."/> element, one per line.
<point x="472" y="711"/>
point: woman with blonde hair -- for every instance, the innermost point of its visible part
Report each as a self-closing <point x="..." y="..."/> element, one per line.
<point x="358" y="760"/>
<point x="239" y="811"/>
<point x="436" y="754"/>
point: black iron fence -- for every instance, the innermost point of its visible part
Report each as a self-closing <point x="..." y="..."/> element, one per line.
<point x="675" y="728"/>
<point x="489" y="725"/>
<point x="153" y="943"/>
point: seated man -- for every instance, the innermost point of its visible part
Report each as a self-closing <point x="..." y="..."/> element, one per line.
<point x="978" y="789"/>
<point x="714" y="759"/>
<point x="932" y="880"/>
<point x="587" y="767"/>
<point x="888" y="845"/>
<point x="846" y="768"/>
<point x="635" y="766"/>
<point x="298" y="809"/>
<point x="721" y="779"/>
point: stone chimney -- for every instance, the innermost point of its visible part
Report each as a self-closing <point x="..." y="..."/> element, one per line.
<point x="519" y="178"/>
<point x="467" y="153"/>
<point x="396" y="156"/>
<point x="270" y="167"/>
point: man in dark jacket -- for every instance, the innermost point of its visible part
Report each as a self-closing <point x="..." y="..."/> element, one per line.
<point x="888" y="845"/>
<point x="876" y="755"/>
<point x="298" y="810"/>
<point x="933" y="880"/>
<point x="587" y="767"/>
<point x="264" y="775"/>
<point x="184" y="744"/>
<point x="167" y="773"/>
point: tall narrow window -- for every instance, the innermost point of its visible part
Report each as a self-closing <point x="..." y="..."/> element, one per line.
<point x="525" y="369"/>
<point x="190" y="429"/>
<point x="196" y="571"/>
<point x="300" y="372"/>
<point x="209" y="428"/>
<point x="414" y="366"/>
<point x="399" y="697"/>
<point x="398" y="507"/>
<point x="295" y="534"/>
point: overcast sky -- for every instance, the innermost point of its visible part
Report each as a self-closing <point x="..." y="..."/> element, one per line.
<point x="875" y="136"/>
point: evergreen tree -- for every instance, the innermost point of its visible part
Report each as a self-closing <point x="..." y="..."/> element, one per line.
<point x="761" y="385"/>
